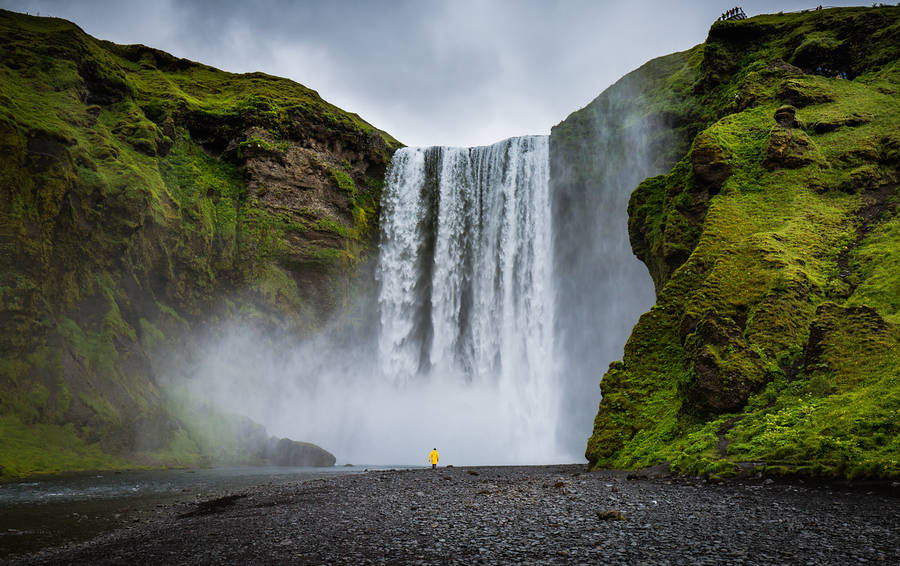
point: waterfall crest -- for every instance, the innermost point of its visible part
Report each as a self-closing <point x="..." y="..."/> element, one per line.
<point x="466" y="294"/>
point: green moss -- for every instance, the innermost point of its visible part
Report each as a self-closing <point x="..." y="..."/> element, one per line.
<point x="876" y="270"/>
<point x="327" y="225"/>
<point x="344" y="181"/>
<point x="102" y="409"/>
<point x="838" y="418"/>
<point x="219" y="437"/>
<point x="96" y="350"/>
<point x="330" y="258"/>
<point x="191" y="174"/>
<point x="38" y="396"/>
<point x="361" y="220"/>
<point x="257" y="143"/>
<point x="13" y="369"/>
<point x="280" y="288"/>
<point x="772" y="247"/>
<point x="126" y="220"/>
<point x="46" y="448"/>
<point x="181" y="451"/>
<point x="151" y="335"/>
<point x="820" y="45"/>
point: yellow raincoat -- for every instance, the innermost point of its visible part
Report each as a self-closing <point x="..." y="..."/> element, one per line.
<point x="433" y="457"/>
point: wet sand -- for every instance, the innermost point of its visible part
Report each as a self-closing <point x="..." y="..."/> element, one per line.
<point x="509" y="515"/>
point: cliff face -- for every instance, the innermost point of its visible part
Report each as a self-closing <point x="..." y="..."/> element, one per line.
<point x="774" y="246"/>
<point x="638" y="127"/>
<point x="143" y="197"/>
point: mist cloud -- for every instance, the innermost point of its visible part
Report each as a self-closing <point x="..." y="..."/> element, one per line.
<point x="331" y="393"/>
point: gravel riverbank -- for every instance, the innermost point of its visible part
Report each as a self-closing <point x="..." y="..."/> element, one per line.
<point x="509" y="515"/>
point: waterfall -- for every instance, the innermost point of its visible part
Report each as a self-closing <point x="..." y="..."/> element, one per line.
<point x="466" y="291"/>
<point x="489" y="333"/>
<point x="501" y="299"/>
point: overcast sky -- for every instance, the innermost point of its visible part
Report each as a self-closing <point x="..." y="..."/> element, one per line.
<point x="460" y="72"/>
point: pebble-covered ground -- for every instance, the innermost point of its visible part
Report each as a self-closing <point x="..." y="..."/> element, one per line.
<point x="510" y="515"/>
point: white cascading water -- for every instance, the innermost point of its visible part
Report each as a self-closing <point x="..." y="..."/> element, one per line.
<point x="466" y="297"/>
<point x="463" y="355"/>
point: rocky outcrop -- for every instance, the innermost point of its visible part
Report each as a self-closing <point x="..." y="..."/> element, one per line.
<point x="790" y="149"/>
<point x="773" y="336"/>
<point x="287" y="452"/>
<point x="709" y="163"/>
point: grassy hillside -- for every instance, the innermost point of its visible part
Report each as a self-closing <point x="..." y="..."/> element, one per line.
<point x="143" y="196"/>
<point x="774" y="244"/>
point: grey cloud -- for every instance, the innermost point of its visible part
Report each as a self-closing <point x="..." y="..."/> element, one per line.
<point x="464" y="72"/>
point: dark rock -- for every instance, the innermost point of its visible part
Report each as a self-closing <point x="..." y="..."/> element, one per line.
<point x="718" y="388"/>
<point x="790" y="149"/>
<point x="287" y="452"/>
<point x="611" y="515"/>
<point x="786" y="116"/>
<point x="214" y="505"/>
<point x="657" y="472"/>
<point x="709" y="163"/>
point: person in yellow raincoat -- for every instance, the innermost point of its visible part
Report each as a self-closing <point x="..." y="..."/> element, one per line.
<point x="433" y="458"/>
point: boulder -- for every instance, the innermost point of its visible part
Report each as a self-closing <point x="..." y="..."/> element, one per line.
<point x="787" y="116"/>
<point x="790" y="149"/>
<point x="611" y="515"/>
<point x="709" y="163"/>
<point x="287" y="452"/>
<point x="727" y="371"/>
<point x="718" y="387"/>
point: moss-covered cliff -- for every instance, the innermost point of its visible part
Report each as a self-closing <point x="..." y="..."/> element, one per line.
<point x="774" y="245"/>
<point x="143" y="196"/>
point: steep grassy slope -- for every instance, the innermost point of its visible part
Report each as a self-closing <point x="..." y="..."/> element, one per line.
<point x="773" y="244"/>
<point x="143" y="196"/>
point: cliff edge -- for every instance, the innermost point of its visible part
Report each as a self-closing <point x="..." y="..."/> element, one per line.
<point x="774" y="246"/>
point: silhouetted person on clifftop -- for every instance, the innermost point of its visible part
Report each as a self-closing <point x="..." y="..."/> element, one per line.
<point x="736" y="13"/>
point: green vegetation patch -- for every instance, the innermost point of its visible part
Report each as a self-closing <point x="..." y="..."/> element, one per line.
<point x="48" y="448"/>
<point x="126" y="220"/>
<point x="773" y="244"/>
